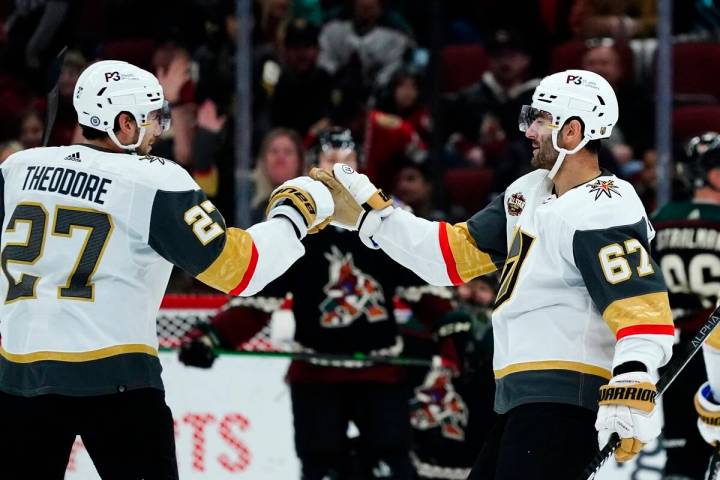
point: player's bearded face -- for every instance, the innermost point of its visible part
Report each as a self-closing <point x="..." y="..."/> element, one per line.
<point x="544" y="154"/>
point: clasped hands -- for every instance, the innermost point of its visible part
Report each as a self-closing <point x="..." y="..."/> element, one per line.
<point x="342" y="197"/>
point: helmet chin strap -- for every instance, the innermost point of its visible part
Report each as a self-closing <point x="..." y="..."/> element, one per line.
<point x="563" y="152"/>
<point x="115" y="140"/>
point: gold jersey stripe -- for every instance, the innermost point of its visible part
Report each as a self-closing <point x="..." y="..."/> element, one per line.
<point x="470" y="261"/>
<point x="228" y="269"/>
<point x="648" y="309"/>
<point x="78" y="356"/>
<point x="553" y="365"/>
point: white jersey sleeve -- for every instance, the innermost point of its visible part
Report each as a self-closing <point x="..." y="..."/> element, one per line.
<point x="186" y="229"/>
<point x="445" y="254"/>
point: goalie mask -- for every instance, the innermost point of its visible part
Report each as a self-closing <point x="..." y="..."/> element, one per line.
<point x="572" y="94"/>
<point x="109" y="87"/>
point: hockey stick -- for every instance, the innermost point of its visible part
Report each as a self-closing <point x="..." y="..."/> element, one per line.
<point x="673" y="370"/>
<point x="53" y="76"/>
<point x="714" y="466"/>
<point x="329" y="359"/>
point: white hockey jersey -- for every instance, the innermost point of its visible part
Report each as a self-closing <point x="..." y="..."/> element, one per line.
<point x="88" y="241"/>
<point x="578" y="295"/>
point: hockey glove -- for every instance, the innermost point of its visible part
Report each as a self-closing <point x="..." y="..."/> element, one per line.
<point x="307" y="203"/>
<point x="627" y="407"/>
<point x="198" y="348"/>
<point x="361" y="205"/>
<point x="708" y="414"/>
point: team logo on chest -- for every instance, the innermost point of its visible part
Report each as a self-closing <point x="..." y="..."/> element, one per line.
<point x="350" y="293"/>
<point x="515" y="204"/>
<point x="600" y="187"/>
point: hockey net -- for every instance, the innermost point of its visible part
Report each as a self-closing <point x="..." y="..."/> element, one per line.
<point x="180" y="312"/>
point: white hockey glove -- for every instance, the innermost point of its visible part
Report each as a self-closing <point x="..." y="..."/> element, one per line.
<point x="708" y="414"/>
<point x="307" y="203"/>
<point x="360" y="205"/>
<point x="627" y="407"/>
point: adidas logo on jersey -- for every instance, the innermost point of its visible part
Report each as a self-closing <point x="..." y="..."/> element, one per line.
<point x="74" y="157"/>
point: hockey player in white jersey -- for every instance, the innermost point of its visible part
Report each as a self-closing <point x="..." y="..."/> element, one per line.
<point x="89" y="236"/>
<point x="582" y="314"/>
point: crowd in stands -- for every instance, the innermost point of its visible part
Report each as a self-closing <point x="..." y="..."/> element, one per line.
<point x="431" y="90"/>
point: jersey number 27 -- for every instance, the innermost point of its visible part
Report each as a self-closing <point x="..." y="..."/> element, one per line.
<point x="65" y="220"/>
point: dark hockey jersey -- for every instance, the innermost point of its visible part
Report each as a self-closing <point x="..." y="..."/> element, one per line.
<point x="342" y="301"/>
<point x="687" y="248"/>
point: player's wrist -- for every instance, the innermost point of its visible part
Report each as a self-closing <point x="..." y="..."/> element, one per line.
<point x="629" y="367"/>
<point x="286" y="213"/>
<point x="372" y="220"/>
<point x="635" y="390"/>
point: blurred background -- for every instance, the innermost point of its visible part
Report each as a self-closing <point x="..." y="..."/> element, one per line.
<point x="430" y="89"/>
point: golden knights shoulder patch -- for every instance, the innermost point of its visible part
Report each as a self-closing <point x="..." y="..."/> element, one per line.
<point x="606" y="187"/>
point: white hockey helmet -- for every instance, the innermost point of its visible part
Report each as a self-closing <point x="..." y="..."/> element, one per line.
<point x="573" y="94"/>
<point x="109" y="87"/>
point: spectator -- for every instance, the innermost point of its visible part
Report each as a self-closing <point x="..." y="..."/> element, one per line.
<point x="15" y="97"/>
<point x="208" y="139"/>
<point x="389" y="138"/>
<point x="65" y="127"/>
<point x="620" y="19"/>
<point x="301" y="97"/>
<point x="403" y="97"/>
<point x="309" y="10"/>
<point x="8" y="148"/>
<point x="633" y="134"/>
<point x="216" y="59"/>
<point x="696" y="18"/>
<point x="32" y="32"/>
<point x="414" y="188"/>
<point x="485" y="115"/>
<point x="392" y="16"/>
<point x="216" y="67"/>
<point x="31" y="129"/>
<point x="172" y="64"/>
<point x="281" y="158"/>
<point x="271" y="18"/>
<point x="361" y="48"/>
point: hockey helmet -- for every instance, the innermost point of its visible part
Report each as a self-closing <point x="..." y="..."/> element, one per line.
<point x="579" y="94"/>
<point x="109" y="87"/>
<point x="702" y="154"/>
<point x="333" y="138"/>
